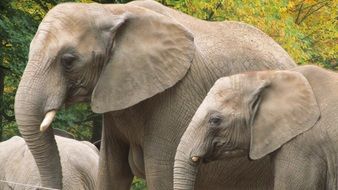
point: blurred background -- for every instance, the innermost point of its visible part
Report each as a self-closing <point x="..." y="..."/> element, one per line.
<point x="306" y="29"/>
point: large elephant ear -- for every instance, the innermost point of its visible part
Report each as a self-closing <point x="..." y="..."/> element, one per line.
<point x="284" y="106"/>
<point x="150" y="53"/>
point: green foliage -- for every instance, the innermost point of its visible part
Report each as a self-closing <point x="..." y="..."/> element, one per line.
<point x="17" y="29"/>
<point x="76" y="120"/>
<point x="138" y="184"/>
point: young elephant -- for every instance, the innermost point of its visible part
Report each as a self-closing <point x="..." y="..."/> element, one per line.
<point x="18" y="170"/>
<point x="291" y="115"/>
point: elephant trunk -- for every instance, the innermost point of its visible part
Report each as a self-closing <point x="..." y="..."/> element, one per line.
<point x="185" y="168"/>
<point x="31" y="103"/>
<point x="184" y="171"/>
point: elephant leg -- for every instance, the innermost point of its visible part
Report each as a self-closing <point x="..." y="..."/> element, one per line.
<point x="136" y="161"/>
<point x="294" y="169"/>
<point x="114" y="170"/>
<point x="158" y="159"/>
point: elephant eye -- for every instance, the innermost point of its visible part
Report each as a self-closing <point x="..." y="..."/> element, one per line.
<point x="215" y="120"/>
<point x="67" y="60"/>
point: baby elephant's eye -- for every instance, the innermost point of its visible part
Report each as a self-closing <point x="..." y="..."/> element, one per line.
<point x="215" y="121"/>
<point x="67" y="60"/>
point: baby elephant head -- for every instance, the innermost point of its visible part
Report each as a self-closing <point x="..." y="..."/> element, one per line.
<point x="246" y="114"/>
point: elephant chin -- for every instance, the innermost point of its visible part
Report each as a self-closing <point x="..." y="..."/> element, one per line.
<point x="77" y="99"/>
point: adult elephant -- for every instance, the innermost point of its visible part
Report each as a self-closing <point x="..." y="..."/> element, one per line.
<point x="147" y="68"/>
<point x="18" y="170"/>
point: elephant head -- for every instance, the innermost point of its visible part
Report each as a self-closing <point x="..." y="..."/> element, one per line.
<point x="246" y="114"/>
<point x="113" y="56"/>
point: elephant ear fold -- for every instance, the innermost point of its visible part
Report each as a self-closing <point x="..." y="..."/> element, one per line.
<point x="150" y="53"/>
<point x="283" y="106"/>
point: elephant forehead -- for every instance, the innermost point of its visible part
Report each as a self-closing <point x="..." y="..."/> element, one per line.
<point x="222" y="93"/>
<point x="220" y="88"/>
<point x="69" y="15"/>
<point x="218" y="100"/>
<point x="65" y="11"/>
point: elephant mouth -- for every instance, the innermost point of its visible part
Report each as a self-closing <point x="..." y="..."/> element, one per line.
<point x="227" y="154"/>
<point x="81" y="94"/>
<point x="77" y="99"/>
<point x="233" y="153"/>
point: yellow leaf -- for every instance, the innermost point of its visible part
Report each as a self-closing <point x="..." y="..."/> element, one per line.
<point x="9" y="89"/>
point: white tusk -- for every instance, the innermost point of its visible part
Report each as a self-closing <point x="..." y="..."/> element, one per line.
<point x="195" y="158"/>
<point x="47" y="120"/>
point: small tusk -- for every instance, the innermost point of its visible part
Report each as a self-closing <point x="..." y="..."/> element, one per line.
<point x="47" y="120"/>
<point x="195" y="158"/>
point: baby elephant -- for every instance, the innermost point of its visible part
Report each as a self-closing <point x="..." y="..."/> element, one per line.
<point x="290" y="115"/>
<point x="18" y="170"/>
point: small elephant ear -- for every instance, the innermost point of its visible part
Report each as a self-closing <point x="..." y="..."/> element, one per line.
<point x="284" y="106"/>
<point x="150" y="53"/>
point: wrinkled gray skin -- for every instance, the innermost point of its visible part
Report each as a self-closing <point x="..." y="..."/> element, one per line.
<point x="287" y="114"/>
<point x="79" y="162"/>
<point x="147" y="68"/>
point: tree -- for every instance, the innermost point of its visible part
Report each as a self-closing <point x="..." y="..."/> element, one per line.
<point x="306" y="29"/>
<point x="17" y="29"/>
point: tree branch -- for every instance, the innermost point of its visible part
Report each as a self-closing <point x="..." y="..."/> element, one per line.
<point x="309" y="9"/>
<point x="310" y="13"/>
<point x="44" y="7"/>
<point x="211" y="14"/>
<point x="5" y="68"/>
<point x="299" y="11"/>
<point x="325" y="1"/>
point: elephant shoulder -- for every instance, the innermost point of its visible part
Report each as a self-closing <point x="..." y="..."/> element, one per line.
<point x="163" y="10"/>
<point x="313" y="72"/>
<point x="152" y="5"/>
<point x="71" y="151"/>
<point x="14" y="139"/>
<point x="149" y="4"/>
<point x="324" y="84"/>
<point x="309" y="144"/>
<point x="16" y="160"/>
<point x="77" y="157"/>
<point x="12" y="144"/>
<point x="91" y="146"/>
<point x="63" y="133"/>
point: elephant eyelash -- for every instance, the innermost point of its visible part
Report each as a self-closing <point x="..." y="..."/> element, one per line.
<point x="215" y="121"/>
<point x="67" y="60"/>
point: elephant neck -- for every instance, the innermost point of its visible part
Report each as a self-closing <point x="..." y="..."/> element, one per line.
<point x="203" y="71"/>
